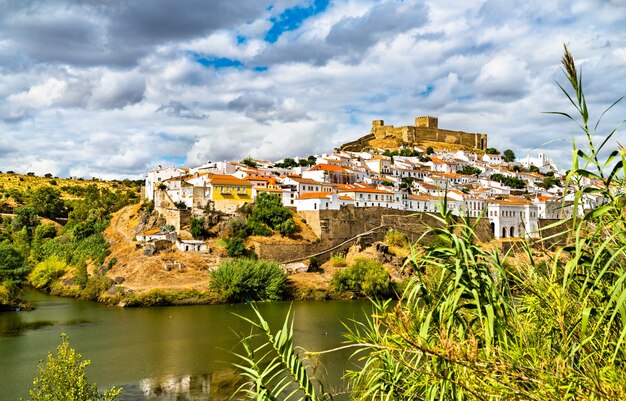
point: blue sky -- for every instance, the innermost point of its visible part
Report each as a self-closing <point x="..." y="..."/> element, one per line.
<point x="111" y="91"/>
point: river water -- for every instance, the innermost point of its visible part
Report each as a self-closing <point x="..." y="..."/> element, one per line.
<point x="163" y="353"/>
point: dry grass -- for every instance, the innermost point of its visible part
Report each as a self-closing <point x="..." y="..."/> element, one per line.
<point x="143" y="273"/>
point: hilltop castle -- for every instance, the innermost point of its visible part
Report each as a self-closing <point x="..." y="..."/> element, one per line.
<point x="426" y="129"/>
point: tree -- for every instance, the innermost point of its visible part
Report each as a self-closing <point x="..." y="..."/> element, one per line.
<point x="47" y="202"/>
<point x="198" y="231"/>
<point x="248" y="161"/>
<point x="63" y="378"/>
<point x="492" y="151"/>
<point x="13" y="270"/>
<point x="470" y="170"/>
<point x="509" y="156"/>
<point x="25" y="216"/>
<point x="430" y="150"/>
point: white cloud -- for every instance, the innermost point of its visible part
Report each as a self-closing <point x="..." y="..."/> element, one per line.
<point x="113" y="98"/>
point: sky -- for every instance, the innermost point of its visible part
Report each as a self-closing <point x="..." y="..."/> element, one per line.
<point x="110" y="89"/>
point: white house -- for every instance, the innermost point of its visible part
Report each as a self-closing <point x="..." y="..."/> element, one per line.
<point x="513" y="217"/>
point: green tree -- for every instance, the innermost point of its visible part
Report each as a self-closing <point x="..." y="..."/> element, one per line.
<point x="430" y="150"/>
<point x="62" y="378"/>
<point x="492" y="151"/>
<point x="13" y="271"/>
<point x="198" y="231"/>
<point x="25" y="216"/>
<point x="509" y="156"/>
<point x="469" y="170"/>
<point x="248" y="161"/>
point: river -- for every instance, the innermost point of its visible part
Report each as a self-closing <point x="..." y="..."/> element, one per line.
<point x="162" y="353"/>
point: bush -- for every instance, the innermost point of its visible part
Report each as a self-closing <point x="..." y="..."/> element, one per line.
<point x="198" y="231"/>
<point x="396" y="238"/>
<point x="235" y="247"/>
<point x="338" y="260"/>
<point x="365" y="276"/>
<point x="240" y="280"/>
<point x="96" y="285"/>
<point x="63" y="378"/>
<point x="46" y="272"/>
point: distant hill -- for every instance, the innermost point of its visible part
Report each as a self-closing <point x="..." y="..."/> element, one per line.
<point x="15" y="188"/>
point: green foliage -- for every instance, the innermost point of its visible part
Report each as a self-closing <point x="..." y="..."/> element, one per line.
<point x="274" y="370"/>
<point x="509" y="156"/>
<point x="46" y="230"/>
<point x="62" y="378"/>
<point x="549" y="182"/>
<point x="492" y="151"/>
<point x="513" y="182"/>
<point x="81" y="277"/>
<point x="25" y="216"/>
<point x="235" y="247"/>
<point x="430" y="150"/>
<point x="269" y="210"/>
<point x="47" y="271"/>
<point x="198" y="231"/>
<point x="248" y="161"/>
<point x="396" y="238"/>
<point x="533" y="169"/>
<point x="47" y="202"/>
<point x="338" y="260"/>
<point x="13" y="270"/>
<point x="96" y="285"/>
<point x="239" y="280"/>
<point x="364" y="276"/>
<point x="287" y="163"/>
<point x="469" y="170"/>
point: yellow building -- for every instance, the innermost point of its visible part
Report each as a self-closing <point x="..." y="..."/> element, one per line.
<point x="228" y="193"/>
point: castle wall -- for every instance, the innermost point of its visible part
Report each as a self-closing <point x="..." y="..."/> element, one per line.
<point x="427" y="129"/>
<point x="337" y="227"/>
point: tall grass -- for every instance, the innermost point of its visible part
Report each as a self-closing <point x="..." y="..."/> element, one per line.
<point x="475" y="324"/>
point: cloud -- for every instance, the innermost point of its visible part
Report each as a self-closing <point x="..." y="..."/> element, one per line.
<point x="177" y="109"/>
<point x="114" y="88"/>
<point x="262" y="108"/>
<point x="503" y="78"/>
<point x="117" y="90"/>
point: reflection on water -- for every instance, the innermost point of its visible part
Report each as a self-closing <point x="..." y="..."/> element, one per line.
<point x="14" y="327"/>
<point x="189" y="387"/>
<point x="162" y="353"/>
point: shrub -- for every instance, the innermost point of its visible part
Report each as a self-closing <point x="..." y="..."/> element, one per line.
<point x="338" y="260"/>
<point x="364" y="276"/>
<point x="47" y="271"/>
<point x="396" y="238"/>
<point x="240" y="280"/>
<point x="235" y="247"/>
<point x="63" y="378"/>
<point x="96" y="285"/>
<point x="198" y="231"/>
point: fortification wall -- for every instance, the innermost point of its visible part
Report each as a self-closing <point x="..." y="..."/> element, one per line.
<point x="340" y="227"/>
<point x="427" y="129"/>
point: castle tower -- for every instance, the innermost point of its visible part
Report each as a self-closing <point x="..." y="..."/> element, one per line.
<point x="427" y="122"/>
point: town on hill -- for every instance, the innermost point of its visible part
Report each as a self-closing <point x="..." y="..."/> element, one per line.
<point x="513" y="195"/>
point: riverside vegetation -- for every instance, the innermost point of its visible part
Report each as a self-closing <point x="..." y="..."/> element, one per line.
<point x="471" y="324"/>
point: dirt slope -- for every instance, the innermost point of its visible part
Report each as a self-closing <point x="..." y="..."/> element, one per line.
<point x="142" y="273"/>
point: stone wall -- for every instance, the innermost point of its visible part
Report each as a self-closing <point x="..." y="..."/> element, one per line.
<point x="340" y="227"/>
<point x="172" y="215"/>
<point x="427" y="129"/>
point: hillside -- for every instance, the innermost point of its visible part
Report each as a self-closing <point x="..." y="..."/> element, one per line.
<point x="15" y="188"/>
